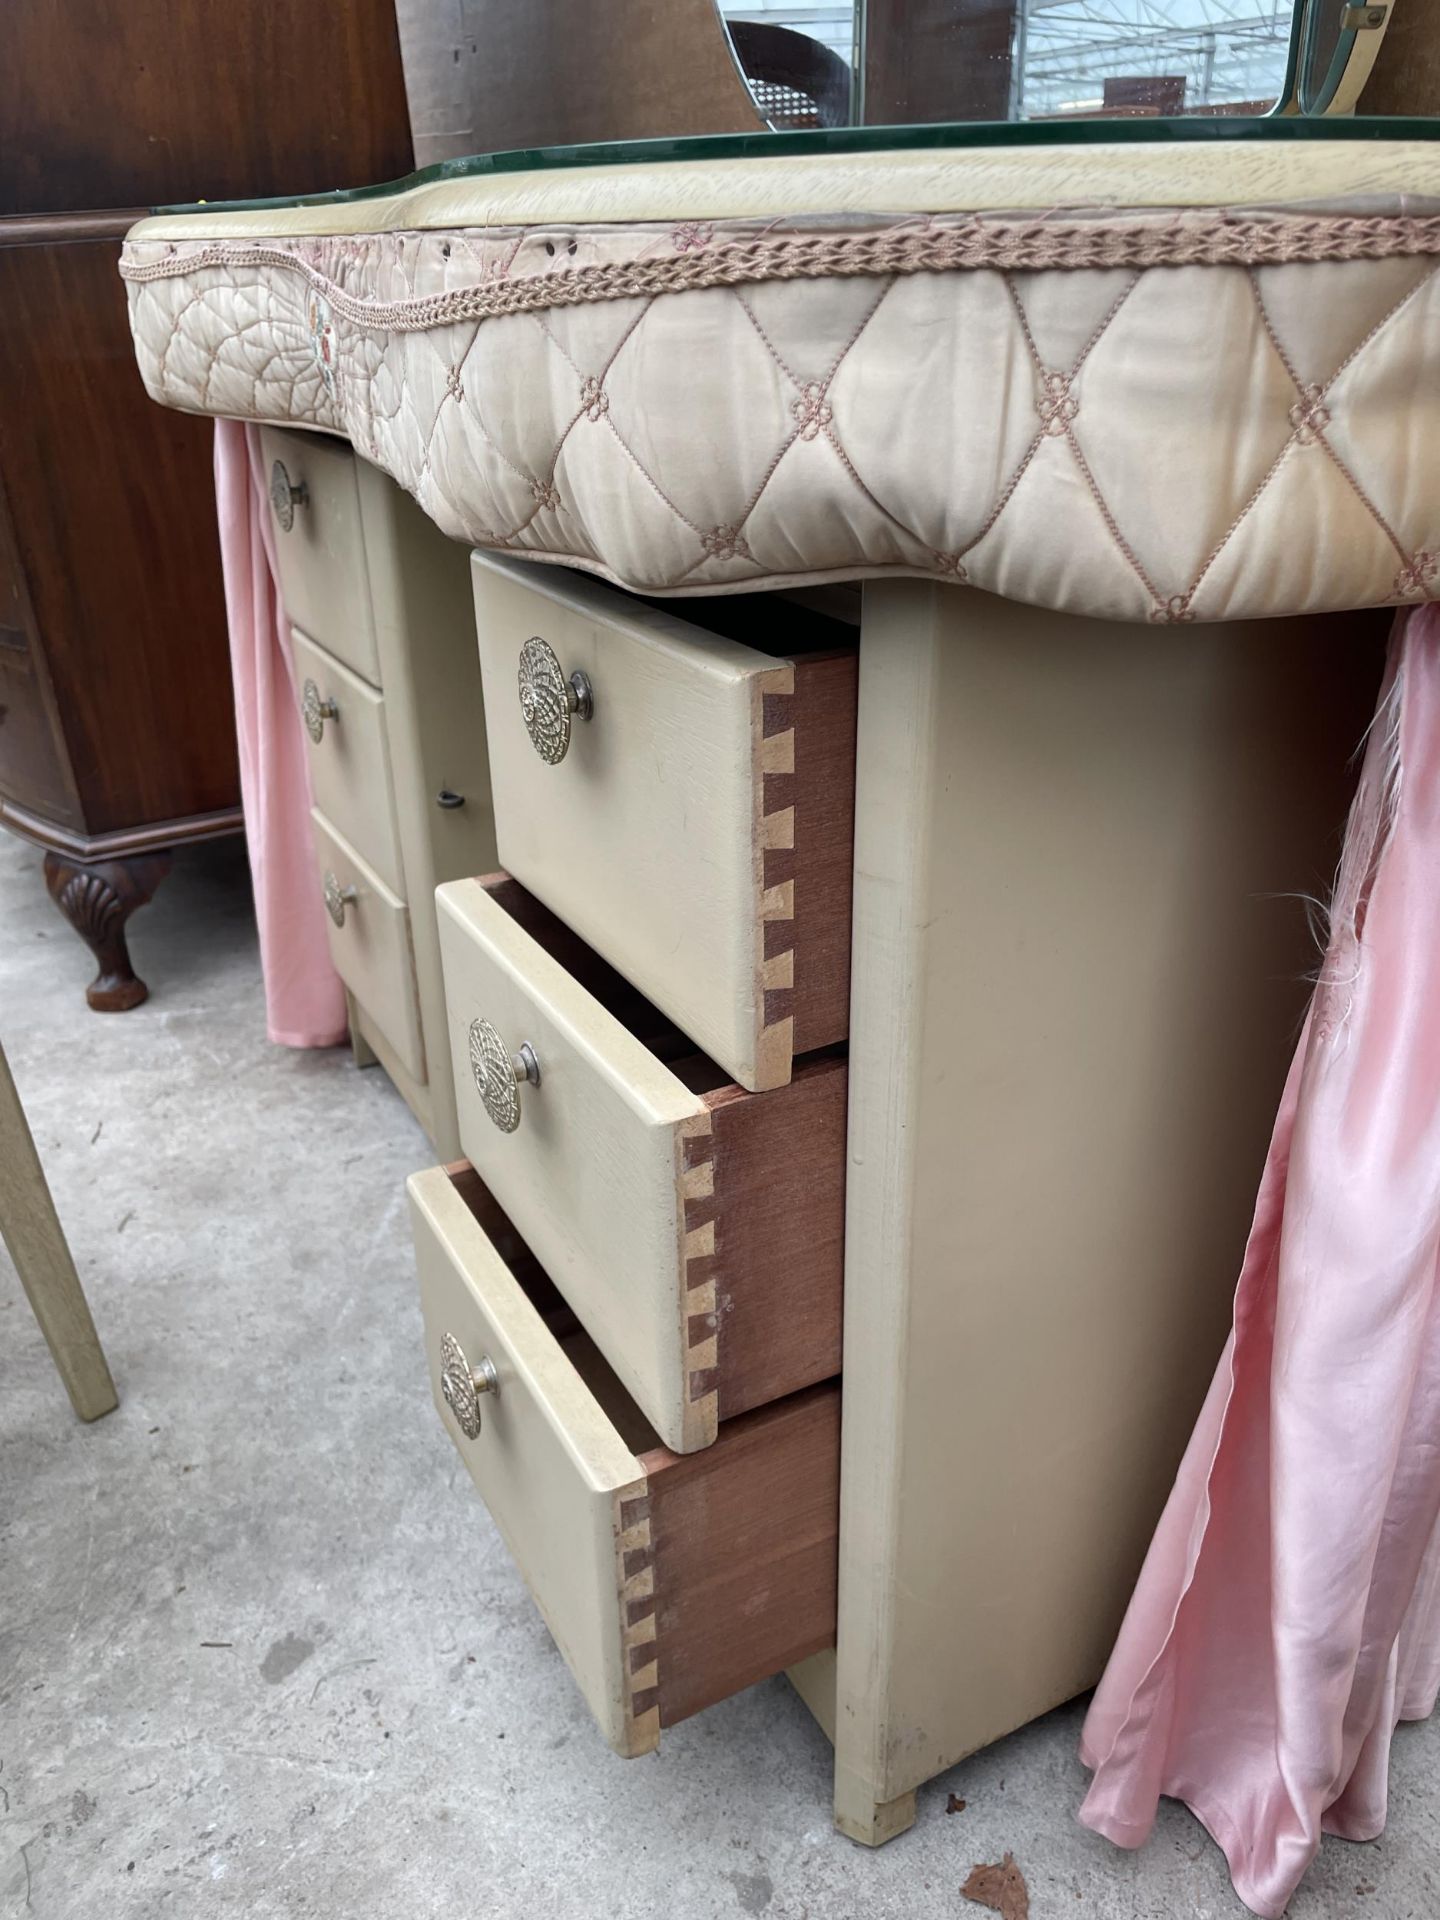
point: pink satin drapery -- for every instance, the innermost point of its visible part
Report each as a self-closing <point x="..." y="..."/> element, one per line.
<point x="304" y="998"/>
<point x="1288" y="1614"/>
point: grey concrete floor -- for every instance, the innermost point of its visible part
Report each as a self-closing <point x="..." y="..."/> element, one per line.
<point x="261" y="1651"/>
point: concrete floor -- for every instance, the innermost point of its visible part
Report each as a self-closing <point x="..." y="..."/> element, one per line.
<point x="261" y="1651"/>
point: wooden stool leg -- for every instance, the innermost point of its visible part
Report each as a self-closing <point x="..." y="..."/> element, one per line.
<point x="37" y="1245"/>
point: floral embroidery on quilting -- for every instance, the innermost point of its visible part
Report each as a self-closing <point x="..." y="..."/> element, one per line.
<point x="691" y="235"/>
<point x="454" y="385"/>
<point x="1416" y="575"/>
<point x="546" y="495"/>
<point x="1175" y="612"/>
<point x="725" y="543"/>
<point x="594" y="399"/>
<point x="950" y="564"/>
<point x="1056" y="404"/>
<point x="1310" y="416"/>
<point x="812" y="410"/>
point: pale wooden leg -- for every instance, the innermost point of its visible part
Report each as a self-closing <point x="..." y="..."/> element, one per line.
<point x="37" y="1245"/>
<point x="871" y="1823"/>
<point x="363" y="1053"/>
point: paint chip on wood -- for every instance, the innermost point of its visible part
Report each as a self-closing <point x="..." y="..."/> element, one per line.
<point x="1001" y="1888"/>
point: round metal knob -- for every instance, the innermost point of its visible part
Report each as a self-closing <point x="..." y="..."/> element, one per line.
<point x="336" y="897"/>
<point x="461" y="1385"/>
<point x="316" y="709"/>
<point x="548" y="700"/>
<point x="500" y="1074"/>
<point x="286" y="495"/>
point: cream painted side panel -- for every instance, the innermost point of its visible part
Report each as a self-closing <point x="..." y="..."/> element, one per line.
<point x="322" y="557"/>
<point x="548" y="1464"/>
<point x="1075" y="990"/>
<point x="371" y="950"/>
<point x="435" y="723"/>
<point x="350" y="763"/>
<point x="643" y="837"/>
<point x="591" y="1177"/>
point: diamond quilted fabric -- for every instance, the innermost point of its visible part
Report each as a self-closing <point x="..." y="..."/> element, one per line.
<point x="1153" y="416"/>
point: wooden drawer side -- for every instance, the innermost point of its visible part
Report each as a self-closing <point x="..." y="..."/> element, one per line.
<point x="668" y="1581"/>
<point x="744" y="1540"/>
<point x="696" y="1228"/>
<point x="806" y="840"/>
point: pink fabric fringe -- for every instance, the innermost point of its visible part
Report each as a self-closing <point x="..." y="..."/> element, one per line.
<point x="1288" y="1615"/>
<point x="304" y="999"/>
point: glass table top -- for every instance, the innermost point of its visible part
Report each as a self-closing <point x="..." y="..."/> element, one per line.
<point x="858" y="140"/>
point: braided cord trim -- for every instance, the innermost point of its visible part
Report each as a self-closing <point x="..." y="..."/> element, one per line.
<point x="1034" y="246"/>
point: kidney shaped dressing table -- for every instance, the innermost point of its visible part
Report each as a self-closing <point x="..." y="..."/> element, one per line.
<point x="1132" y="434"/>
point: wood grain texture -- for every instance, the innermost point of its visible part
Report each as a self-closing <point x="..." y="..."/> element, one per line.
<point x="744" y="1539"/>
<point x="486" y="74"/>
<point x="128" y="103"/>
<point x="812" y="873"/>
<point x="779" y="1213"/>
<point x="112" y="505"/>
<point x="37" y="1244"/>
<point x="936" y="60"/>
<point x="1406" y="74"/>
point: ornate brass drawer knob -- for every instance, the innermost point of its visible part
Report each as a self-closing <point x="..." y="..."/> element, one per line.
<point x="336" y="898"/>
<point x="461" y="1385"/>
<point x="499" y="1074"/>
<point x="548" y="700"/>
<point x="316" y="709"/>
<point x="286" y="495"/>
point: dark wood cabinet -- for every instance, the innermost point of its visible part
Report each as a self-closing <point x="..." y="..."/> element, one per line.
<point x="117" y="731"/>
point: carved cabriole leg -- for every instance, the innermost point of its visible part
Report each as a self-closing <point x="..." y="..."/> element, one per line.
<point x="97" y="899"/>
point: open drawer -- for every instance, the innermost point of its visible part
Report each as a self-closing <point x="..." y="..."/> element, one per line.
<point x="693" y="818"/>
<point x="669" y="1582"/>
<point x="697" y="1230"/>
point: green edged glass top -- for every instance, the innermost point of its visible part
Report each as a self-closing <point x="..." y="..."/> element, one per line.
<point x="850" y="140"/>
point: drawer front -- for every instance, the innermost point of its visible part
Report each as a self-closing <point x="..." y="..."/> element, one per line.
<point x="369" y="932"/>
<point x="350" y="775"/>
<point x="698" y="1235"/>
<point x="697" y="829"/>
<point x="320" y="543"/>
<point x="668" y="1583"/>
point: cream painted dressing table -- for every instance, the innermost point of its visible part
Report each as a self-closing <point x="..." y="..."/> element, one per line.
<point x="1117" y="428"/>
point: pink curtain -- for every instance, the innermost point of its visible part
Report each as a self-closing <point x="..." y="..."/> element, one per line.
<point x="1288" y="1614"/>
<point x="304" y="1000"/>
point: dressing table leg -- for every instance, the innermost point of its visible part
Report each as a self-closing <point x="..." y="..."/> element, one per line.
<point x="98" y="898"/>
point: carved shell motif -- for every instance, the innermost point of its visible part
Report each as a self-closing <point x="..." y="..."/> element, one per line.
<point x="457" y="1386"/>
<point x="544" y="701"/>
<point x="494" y="1074"/>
